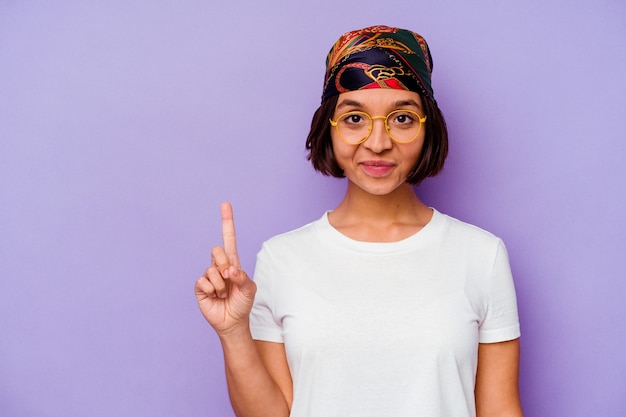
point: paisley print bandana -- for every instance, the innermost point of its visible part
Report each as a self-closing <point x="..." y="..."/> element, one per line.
<point x="379" y="57"/>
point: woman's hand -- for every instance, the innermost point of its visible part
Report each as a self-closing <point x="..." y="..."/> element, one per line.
<point x="225" y="293"/>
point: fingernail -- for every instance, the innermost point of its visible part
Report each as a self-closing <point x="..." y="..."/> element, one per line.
<point x="226" y="273"/>
<point x="223" y="295"/>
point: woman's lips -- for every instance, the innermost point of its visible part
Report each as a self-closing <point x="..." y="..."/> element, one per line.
<point x="377" y="168"/>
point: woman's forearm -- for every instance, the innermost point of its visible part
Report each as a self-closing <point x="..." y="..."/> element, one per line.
<point x="253" y="392"/>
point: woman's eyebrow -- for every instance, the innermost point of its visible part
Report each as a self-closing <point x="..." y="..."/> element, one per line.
<point x="358" y="104"/>
<point x="409" y="102"/>
<point x="349" y="103"/>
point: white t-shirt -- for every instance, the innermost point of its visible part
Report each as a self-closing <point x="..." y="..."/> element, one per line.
<point x="384" y="329"/>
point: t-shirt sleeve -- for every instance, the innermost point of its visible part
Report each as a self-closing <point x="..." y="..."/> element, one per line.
<point x="501" y="321"/>
<point x="263" y="323"/>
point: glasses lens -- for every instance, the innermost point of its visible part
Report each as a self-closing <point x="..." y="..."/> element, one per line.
<point x="354" y="127"/>
<point x="404" y="125"/>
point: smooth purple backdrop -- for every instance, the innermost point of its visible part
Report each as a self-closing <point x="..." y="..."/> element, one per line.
<point x="124" y="124"/>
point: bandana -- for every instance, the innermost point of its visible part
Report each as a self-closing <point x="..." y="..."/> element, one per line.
<point x="378" y="57"/>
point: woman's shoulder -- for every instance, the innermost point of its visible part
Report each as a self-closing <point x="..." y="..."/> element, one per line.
<point x="303" y="234"/>
<point x="460" y="229"/>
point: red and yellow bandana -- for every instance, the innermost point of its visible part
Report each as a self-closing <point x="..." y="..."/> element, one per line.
<point x="378" y="57"/>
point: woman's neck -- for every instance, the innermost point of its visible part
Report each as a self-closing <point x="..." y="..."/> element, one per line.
<point x="380" y="218"/>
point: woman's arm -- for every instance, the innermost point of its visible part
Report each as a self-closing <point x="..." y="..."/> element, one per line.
<point x="274" y="358"/>
<point x="497" y="393"/>
<point x="259" y="382"/>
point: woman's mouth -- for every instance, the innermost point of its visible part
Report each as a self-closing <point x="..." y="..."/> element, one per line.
<point x="377" y="168"/>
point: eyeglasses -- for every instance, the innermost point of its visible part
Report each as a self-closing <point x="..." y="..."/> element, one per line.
<point x="402" y="126"/>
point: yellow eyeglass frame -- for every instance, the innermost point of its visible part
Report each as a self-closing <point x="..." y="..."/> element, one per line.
<point x="335" y="124"/>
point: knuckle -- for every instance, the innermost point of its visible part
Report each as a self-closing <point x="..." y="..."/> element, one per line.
<point x="215" y="278"/>
<point x="219" y="287"/>
<point x="217" y="251"/>
<point x="219" y="257"/>
<point x="203" y="285"/>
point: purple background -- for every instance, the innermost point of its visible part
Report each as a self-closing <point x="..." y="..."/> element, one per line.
<point x="124" y="124"/>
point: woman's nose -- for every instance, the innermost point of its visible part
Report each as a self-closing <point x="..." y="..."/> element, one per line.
<point x="378" y="140"/>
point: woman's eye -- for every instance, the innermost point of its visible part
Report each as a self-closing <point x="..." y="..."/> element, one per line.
<point x="353" y="119"/>
<point x="402" y="119"/>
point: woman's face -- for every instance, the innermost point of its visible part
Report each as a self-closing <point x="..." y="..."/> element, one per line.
<point x="378" y="165"/>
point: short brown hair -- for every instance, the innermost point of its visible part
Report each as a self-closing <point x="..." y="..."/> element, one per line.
<point x="430" y="163"/>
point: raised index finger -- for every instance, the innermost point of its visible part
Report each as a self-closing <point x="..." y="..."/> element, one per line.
<point x="228" y="234"/>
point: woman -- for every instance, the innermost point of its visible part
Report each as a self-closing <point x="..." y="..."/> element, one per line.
<point x="384" y="306"/>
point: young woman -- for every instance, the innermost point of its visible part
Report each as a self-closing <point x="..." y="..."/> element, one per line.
<point x="384" y="306"/>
